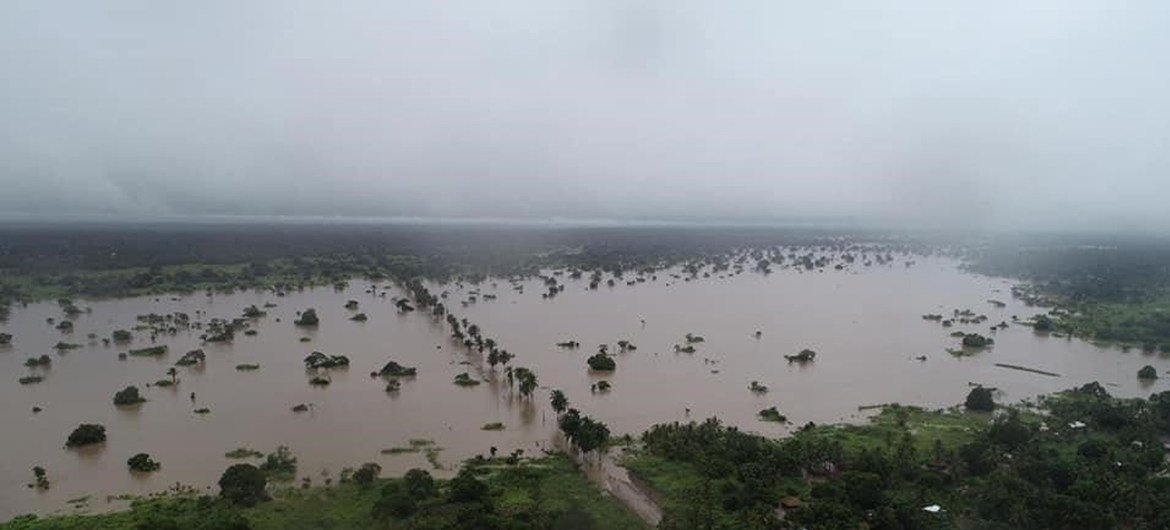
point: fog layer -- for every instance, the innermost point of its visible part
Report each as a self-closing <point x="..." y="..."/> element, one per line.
<point x="989" y="114"/>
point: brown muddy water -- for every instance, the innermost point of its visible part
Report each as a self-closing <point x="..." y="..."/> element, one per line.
<point x="865" y="325"/>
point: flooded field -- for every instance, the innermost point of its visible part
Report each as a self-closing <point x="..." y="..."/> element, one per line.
<point x="865" y="324"/>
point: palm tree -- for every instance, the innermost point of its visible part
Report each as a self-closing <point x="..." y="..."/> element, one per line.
<point x="559" y="401"/>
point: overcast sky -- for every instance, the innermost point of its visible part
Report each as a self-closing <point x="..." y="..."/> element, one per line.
<point x="991" y="113"/>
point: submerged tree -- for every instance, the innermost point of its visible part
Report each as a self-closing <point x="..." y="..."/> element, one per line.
<point x="128" y="396"/>
<point x="142" y="463"/>
<point x="86" y="434"/>
<point x="308" y="318"/>
<point x="559" y="401"/>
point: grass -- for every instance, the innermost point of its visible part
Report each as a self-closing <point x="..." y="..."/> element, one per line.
<point x="550" y="484"/>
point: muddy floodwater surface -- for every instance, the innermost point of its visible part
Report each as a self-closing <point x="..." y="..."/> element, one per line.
<point x="864" y="323"/>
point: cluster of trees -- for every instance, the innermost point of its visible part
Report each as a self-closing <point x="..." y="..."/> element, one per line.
<point x="1091" y="461"/>
<point x="583" y="432"/>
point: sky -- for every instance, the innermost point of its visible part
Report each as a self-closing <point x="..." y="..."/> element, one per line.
<point x="988" y="114"/>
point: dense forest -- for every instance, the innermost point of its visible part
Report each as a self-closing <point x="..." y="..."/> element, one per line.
<point x="1079" y="459"/>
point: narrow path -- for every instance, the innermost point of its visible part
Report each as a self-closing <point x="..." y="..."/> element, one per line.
<point x="605" y="471"/>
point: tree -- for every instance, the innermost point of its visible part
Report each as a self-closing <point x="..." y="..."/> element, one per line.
<point x="308" y="318"/>
<point x="1147" y="372"/>
<point x="86" y="434"/>
<point x="173" y="373"/>
<point x="243" y="484"/>
<point x="559" y="401"/>
<point x="121" y="335"/>
<point x="601" y="362"/>
<point x="142" y="463"/>
<point x="466" y="488"/>
<point x="419" y="483"/>
<point x="393" y="502"/>
<point x="128" y="396"/>
<point x="980" y="399"/>
<point x="527" y="381"/>
<point x="366" y="474"/>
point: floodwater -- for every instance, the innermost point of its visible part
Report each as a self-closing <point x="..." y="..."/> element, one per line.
<point x="864" y="323"/>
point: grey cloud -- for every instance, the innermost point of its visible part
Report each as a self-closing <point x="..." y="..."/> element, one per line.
<point x="989" y="114"/>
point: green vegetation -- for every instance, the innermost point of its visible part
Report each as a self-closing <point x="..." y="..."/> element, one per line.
<point x="975" y="340"/>
<point x="980" y="399"/>
<point x="243" y="485"/>
<point x="545" y="493"/>
<point x="31" y="379"/>
<point x="86" y="434"/>
<point x="393" y="369"/>
<point x="152" y="351"/>
<point x="243" y="452"/>
<point x="360" y="317"/>
<point x="142" y="463"/>
<point x="772" y="414"/>
<point x="1147" y="372"/>
<point x="247" y="367"/>
<point x="308" y="318"/>
<point x="65" y="346"/>
<point x="5" y="338"/>
<point x="280" y="465"/>
<point x="465" y="379"/>
<point x="1086" y="461"/>
<point x="121" y="335"/>
<point x="493" y="426"/>
<point x="128" y="396"/>
<point x="192" y="358"/>
<point x="35" y="362"/>
<point x="601" y="362"/>
<point x="583" y="432"/>
<point x="320" y="360"/>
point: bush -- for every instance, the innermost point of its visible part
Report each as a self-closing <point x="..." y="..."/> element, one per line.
<point x="308" y="318"/>
<point x="366" y="474"/>
<point x="601" y="362"/>
<point x="980" y="399"/>
<point x="121" y="335"/>
<point x="1147" y="372"/>
<point x="142" y="462"/>
<point x="280" y="462"/>
<point x="243" y="484"/>
<point x="86" y="434"/>
<point x="128" y="396"/>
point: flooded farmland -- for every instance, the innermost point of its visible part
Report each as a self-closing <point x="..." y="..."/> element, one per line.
<point x="865" y="324"/>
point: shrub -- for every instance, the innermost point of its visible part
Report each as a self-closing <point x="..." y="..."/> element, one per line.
<point x="142" y="463"/>
<point x="601" y="362"/>
<point x="128" y="396"/>
<point x="121" y="335"/>
<point x="308" y="318"/>
<point x="86" y="434"/>
<point x="1147" y="372"/>
<point x="280" y="462"/>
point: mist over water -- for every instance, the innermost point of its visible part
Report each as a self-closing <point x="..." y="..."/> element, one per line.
<point x="1050" y="114"/>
